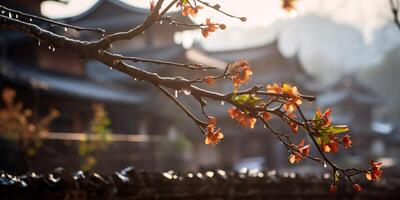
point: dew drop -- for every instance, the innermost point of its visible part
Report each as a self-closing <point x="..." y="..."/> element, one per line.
<point x="49" y="47"/>
<point x="101" y="52"/>
<point x="281" y="142"/>
<point x="265" y="126"/>
<point x="9" y="15"/>
<point x="54" y="49"/>
<point x="222" y="103"/>
<point x="30" y="19"/>
<point x="176" y="93"/>
<point x="187" y="92"/>
<point x="16" y="16"/>
<point x="161" y="21"/>
<point x="65" y="29"/>
<point x="325" y="165"/>
<point x="2" y="11"/>
<point x="115" y="62"/>
<point x="135" y="79"/>
<point x="39" y="42"/>
<point x="111" y="68"/>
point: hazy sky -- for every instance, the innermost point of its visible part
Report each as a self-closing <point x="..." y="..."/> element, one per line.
<point x="364" y="14"/>
<point x="332" y="38"/>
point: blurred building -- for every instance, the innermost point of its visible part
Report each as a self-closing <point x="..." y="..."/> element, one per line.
<point x="46" y="77"/>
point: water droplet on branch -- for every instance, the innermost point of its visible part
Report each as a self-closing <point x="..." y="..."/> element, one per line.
<point x="187" y="92"/>
<point x="115" y="62"/>
<point x="16" y="16"/>
<point x="325" y="165"/>
<point x="9" y="15"/>
<point x="222" y="103"/>
<point x="65" y="29"/>
<point x="176" y="94"/>
<point x="30" y="19"/>
<point x="39" y="42"/>
<point x="54" y="49"/>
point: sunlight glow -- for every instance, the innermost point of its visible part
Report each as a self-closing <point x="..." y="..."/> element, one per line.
<point x="57" y="10"/>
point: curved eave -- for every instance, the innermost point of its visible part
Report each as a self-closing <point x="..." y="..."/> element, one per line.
<point x="71" y="86"/>
<point x="250" y="53"/>
<point x="120" y="4"/>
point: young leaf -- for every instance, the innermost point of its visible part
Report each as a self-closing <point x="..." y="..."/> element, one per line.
<point x="337" y="129"/>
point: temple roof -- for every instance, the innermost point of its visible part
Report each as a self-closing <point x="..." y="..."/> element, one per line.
<point x="116" y="13"/>
<point x="67" y="85"/>
<point x="348" y="90"/>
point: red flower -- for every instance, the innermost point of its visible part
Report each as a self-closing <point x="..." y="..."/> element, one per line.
<point x="331" y="146"/>
<point x="289" y="6"/>
<point x="346" y="141"/>
<point x="209" y="80"/>
<point x="242" y="118"/>
<point x="189" y="10"/>
<point x="294" y="126"/>
<point x="357" y="187"/>
<point x="375" y="173"/>
<point x="213" y="136"/>
<point x="152" y="6"/>
<point x="240" y="73"/>
<point x="211" y="27"/>
<point x="266" y="116"/>
<point x="333" y="188"/>
<point x="291" y="92"/>
<point x="274" y="88"/>
<point x="302" y="150"/>
<point x="325" y="120"/>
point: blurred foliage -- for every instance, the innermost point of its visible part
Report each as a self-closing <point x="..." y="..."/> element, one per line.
<point x="16" y="124"/>
<point x="174" y="149"/>
<point x="97" y="139"/>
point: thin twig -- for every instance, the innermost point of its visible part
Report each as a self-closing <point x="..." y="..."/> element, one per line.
<point x="33" y="17"/>
<point x="160" y="62"/>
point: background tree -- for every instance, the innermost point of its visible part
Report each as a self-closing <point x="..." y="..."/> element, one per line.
<point x="18" y="126"/>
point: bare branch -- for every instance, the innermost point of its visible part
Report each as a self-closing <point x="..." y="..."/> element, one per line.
<point x="395" y="4"/>
<point x="30" y="18"/>
<point x="160" y="62"/>
<point x="217" y="7"/>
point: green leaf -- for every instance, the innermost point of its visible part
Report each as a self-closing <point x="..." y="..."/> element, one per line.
<point x="324" y="136"/>
<point x="336" y="176"/>
<point x="337" y="129"/>
<point x="241" y="99"/>
<point x="318" y="139"/>
<point x="248" y="99"/>
<point x="317" y="115"/>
